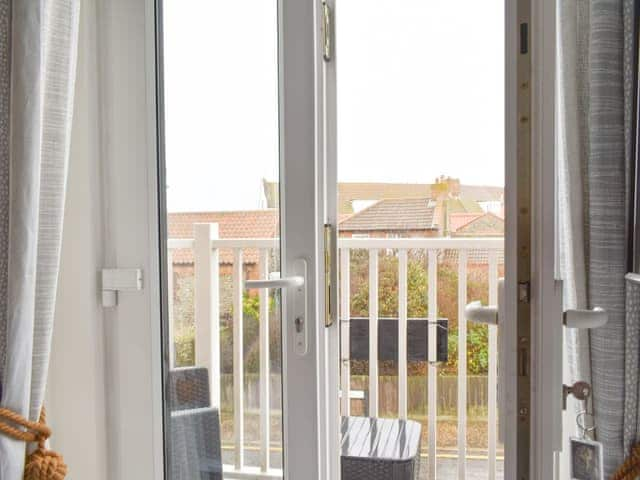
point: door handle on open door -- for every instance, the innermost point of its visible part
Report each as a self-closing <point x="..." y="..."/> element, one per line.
<point x="294" y="290"/>
<point x="594" y="318"/>
<point x="475" y="312"/>
<point x="286" y="282"/>
<point x="494" y="315"/>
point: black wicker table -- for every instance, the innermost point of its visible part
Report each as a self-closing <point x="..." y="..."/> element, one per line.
<point x="380" y="449"/>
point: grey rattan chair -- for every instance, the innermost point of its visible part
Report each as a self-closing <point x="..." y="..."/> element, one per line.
<point x="189" y="388"/>
<point x="194" y="445"/>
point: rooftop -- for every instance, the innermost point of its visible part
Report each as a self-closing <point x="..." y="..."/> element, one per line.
<point x="348" y="192"/>
<point x="486" y="225"/>
<point x="394" y="214"/>
<point x="459" y="219"/>
<point x="239" y="224"/>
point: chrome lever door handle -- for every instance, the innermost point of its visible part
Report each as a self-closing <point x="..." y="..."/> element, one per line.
<point x="294" y="291"/>
<point x="286" y="282"/>
<point x="594" y="318"/>
<point x="494" y="315"/>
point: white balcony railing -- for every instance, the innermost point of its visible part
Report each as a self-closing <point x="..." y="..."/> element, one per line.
<point x="206" y="247"/>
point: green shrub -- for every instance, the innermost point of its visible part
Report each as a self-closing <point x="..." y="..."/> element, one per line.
<point x="185" y="344"/>
<point x="417" y="306"/>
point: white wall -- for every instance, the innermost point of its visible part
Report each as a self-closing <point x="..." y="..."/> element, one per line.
<point x="76" y="393"/>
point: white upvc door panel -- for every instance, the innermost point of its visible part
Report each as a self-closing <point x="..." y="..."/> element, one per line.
<point x="131" y="143"/>
<point x="533" y="23"/>
<point x="547" y="318"/>
<point x="310" y="405"/>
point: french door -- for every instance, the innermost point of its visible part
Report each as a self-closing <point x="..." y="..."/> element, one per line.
<point x="239" y="258"/>
<point x="242" y="146"/>
<point x="231" y="310"/>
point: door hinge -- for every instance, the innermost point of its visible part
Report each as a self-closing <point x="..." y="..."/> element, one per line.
<point x="327" y="32"/>
<point x="116" y="280"/>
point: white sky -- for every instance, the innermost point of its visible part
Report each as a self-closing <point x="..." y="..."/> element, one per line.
<point x="420" y="94"/>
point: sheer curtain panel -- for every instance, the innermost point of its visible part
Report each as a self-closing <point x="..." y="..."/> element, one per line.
<point x="38" y="42"/>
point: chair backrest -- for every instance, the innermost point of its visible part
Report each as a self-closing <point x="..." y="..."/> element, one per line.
<point x="194" y="449"/>
<point x="189" y="388"/>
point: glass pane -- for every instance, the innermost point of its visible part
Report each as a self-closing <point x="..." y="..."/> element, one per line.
<point x="224" y="397"/>
<point x="421" y="156"/>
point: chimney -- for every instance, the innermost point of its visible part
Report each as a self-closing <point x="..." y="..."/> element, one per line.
<point x="446" y="187"/>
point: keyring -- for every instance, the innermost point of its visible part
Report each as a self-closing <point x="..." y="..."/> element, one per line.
<point x="581" y="421"/>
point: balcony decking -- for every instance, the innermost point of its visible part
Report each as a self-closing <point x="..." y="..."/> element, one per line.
<point x="460" y="463"/>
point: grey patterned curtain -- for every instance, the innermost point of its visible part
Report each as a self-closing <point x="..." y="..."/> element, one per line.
<point x="595" y="150"/>
<point x="38" y="42"/>
<point x="607" y="184"/>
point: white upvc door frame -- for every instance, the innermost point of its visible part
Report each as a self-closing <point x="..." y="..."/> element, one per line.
<point x="547" y="324"/>
<point x="128" y="135"/>
<point x="131" y="121"/>
<point x="307" y="200"/>
<point x="327" y="216"/>
<point x="128" y="108"/>
<point x="546" y="289"/>
<point x="508" y="328"/>
<point x="543" y="413"/>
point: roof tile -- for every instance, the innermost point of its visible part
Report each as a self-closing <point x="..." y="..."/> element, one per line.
<point x="240" y="224"/>
<point x="394" y="214"/>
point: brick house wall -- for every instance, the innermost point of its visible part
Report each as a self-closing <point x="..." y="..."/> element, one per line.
<point x="183" y="290"/>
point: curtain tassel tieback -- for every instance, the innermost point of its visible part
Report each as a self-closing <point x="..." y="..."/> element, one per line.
<point x="43" y="464"/>
<point x="630" y="469"/>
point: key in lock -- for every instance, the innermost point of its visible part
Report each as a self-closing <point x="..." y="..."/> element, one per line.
<point x="580" y="390"/>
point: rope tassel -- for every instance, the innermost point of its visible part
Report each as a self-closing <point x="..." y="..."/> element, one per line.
<point x="43" y="464"/>
<point x="630" y="469"/>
